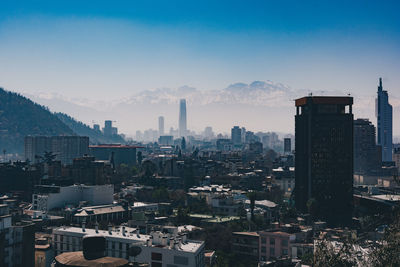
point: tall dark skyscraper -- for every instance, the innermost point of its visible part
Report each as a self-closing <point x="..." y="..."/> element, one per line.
<point x="236" y="135"/>
<point x="324" y="157"/>
<point x="160" y="125"/>
<point x="182" y="118"/>
<point x="287" y="145"/>
<point x="384" y="114"/>
<point x="365" y="151"/>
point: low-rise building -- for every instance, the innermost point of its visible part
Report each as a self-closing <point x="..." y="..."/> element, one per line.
<point x="47" y="198"/>
<point x="246" y="244"/>
<point x="157" y="249"/>
<point x="274" y="245"/>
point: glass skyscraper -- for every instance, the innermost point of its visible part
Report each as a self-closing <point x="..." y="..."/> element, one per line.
<point x="182" y="118"/>
<point x="384" y="114"/>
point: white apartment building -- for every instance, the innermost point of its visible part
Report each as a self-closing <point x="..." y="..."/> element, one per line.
<point x="52" y="197"/>
<point x="158" y="249"/>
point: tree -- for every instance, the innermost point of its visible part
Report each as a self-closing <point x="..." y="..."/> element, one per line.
<point x="387" y="252"/>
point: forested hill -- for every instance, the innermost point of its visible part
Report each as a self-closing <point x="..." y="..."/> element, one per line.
<point x="95" y="137"/>
<point x="19" y="117"/>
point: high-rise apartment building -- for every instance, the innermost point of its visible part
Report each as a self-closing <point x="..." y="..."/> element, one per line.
<point x="182" y="118"/>
<point x="107" y="130"/>
<point x="236" y="135"/>
<point x="287" y="145"/>
<point x="160" y="125"/>
<point x="324" y="157"/>
<point x="365" y="150"/>
<point x="66" y="148"/>
<point x="384" y="114"/>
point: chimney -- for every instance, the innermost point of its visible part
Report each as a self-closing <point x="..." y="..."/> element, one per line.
<point x="97" y="227"/>
<point x="150" y="241"/>
<point x="171" y="243"/>
<point x="176" y="244"/>
<point x="123" y="230"/>
<point x="110" y="229"/>
<point x="83" y="226"/>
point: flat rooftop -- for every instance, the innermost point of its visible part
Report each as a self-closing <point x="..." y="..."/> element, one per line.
<point x="130" y="237"/>
<point x="330" y="100"/>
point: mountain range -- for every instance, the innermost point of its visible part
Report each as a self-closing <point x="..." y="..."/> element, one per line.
<point x="258" y="106"/>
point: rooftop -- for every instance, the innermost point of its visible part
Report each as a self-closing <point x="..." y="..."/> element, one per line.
<point x="130" y="235"/>
<point x="330" y="100"/>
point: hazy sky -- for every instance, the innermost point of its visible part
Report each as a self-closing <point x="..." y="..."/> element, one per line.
<point x="114" y="49"/>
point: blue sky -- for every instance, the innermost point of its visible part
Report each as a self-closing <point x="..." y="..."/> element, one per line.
<point x="113" y="49"/>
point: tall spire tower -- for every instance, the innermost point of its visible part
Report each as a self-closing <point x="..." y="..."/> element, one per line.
<point x="182" y="118"/>
<point x="384" y="114"/>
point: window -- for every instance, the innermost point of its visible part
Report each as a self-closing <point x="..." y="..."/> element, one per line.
<point x="284" y="243"/>
<point x="172" y="265"/>
<point x="272" y="241"/>
<point x="156" y="264"/>
<point x="263" y="240"/>
<point x="272" y="252"/>
<point x="156" y="256"/>
<point x="263" y="250"/>
<point x="284" y="252"/>
<point x="181" y="260"/>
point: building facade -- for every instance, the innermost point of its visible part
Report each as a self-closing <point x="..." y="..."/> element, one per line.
<point x="324" y="157"/>
<point x="65" y="148"/>
<point x="182" y="118"/>
<point x="158" y="249"/>
<point x="117" y="154"/>
<point x="51" y="197"/>
<point x="161" y="125"/>
<point x="365" y="150"/>
<point x="275" y="245"/>
<point x="384" y="114"/>
<point x="236" y="135"/>
<point x="17" y="241"/>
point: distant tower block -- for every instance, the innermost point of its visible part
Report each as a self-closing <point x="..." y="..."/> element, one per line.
<point x="182" y="118"/>
<point x="160" y="125"/>
<point x="384" y="114"/>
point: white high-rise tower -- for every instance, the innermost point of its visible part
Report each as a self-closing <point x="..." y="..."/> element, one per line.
<point x="161" y="125"/>
<point x="182" y="118"/>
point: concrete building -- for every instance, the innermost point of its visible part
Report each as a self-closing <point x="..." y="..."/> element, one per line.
<point x="236" y="135"/>
<point x="117" y="154"/>
<point x="166" y="140"/>
<point x="157" y="249"/>
<point x="66" y="148"/>
<point x="246" y="244"/>
<point x="324" y="157"/>
<point x="384" y="114"/>
<point x="365" y="150"/>
<point x="17" y="241"/>
<point x="287" y="145"/>
<point x="182" y="118"/>
<point x="160" y="125"/>
<point x="44" y="253"/>
<point x="274" y="245"/>
<point x="50" y="197"/>
<point x="396" y="158"/>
